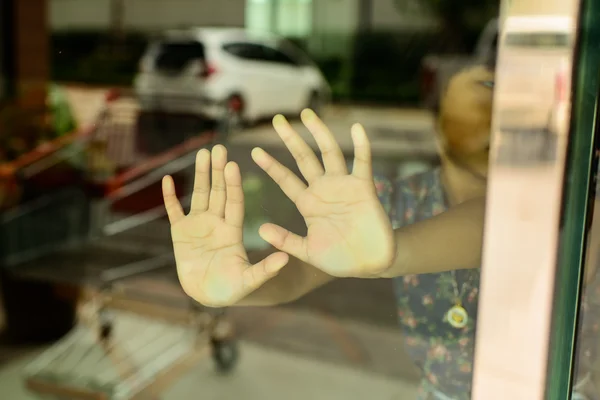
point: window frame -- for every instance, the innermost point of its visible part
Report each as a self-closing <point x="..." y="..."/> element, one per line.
<point x="536" y="221"/>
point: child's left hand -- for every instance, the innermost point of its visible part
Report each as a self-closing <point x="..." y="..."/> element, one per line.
<point x="349" y="233"/>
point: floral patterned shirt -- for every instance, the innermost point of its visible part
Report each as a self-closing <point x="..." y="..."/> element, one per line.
<point x="442" y="352"/>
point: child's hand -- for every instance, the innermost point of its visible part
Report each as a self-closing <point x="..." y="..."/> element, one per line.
<point x="212" y="263"/>
<point x="349" y="233"/>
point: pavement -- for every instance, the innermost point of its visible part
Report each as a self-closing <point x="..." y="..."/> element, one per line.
<point x="284" y="353"/>
<point x="263" y="374"/>
<point x="394" y="132"/>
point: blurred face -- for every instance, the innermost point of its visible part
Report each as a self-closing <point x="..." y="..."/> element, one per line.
<point x="465" y="119"/>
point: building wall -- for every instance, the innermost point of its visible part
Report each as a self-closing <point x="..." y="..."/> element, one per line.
<point x="334" y="23"/>
<point x="146" y="15"/>
<point x="89" y="14"/>
<point x="336" y="16"/>
<point x="329" y="27"/>
<point x="399" y="15"/>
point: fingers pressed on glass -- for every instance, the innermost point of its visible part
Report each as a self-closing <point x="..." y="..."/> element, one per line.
<point x="216" y="202"/>
<point x="234" y="205"/>
<point x="333" y="158"/>
<point x="172" y="204"/>
<point x="259" y="273"/>
<point x="289" y="183"/>
<point x="363" y="167"/>
<point x="201" y="182"/>
<point x="284" y="240"/>
<point x="307" y="161"/>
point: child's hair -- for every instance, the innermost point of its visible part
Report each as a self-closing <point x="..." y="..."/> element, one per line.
<point x="466" y="112"/>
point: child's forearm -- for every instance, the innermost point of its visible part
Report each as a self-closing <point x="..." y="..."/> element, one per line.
<point x="449" y="241"/>
<point x="294" y="281"/>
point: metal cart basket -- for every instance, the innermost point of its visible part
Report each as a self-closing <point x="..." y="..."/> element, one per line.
<point x="101" y="229"/>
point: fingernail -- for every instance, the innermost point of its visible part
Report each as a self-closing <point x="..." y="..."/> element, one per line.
<point x="167" y="182"/>
<point x="257" y="152"/>
<point x="278" y="119"/>
<point x="307" y="114"/>
<point x="218" y="150"/>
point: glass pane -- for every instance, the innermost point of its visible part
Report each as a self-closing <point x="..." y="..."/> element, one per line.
<point x="380" y="293"/>
<point x="294" y="17"/>
<point x="176" y="55"/>
<point x="259" y="15"/>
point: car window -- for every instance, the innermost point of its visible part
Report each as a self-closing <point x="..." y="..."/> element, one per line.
<point x="246" y="51"/>
<point x="278" y="57"/>
<point x="295" y="53"/>
<point x="176" y="55"/>
<point x="258" y="52"/>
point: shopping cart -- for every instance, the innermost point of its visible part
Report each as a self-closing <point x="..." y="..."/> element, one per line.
<point x="90" y="215"/>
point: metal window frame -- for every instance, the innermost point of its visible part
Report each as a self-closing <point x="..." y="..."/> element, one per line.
<point x="536" y="218"/>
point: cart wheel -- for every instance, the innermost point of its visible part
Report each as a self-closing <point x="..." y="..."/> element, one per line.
<point x="225" y="354"/>
<point x="106" y="330"/>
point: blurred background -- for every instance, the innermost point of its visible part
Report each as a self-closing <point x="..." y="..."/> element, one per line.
<point x="100" y="98"/>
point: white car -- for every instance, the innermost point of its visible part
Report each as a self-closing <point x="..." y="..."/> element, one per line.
<point x="217" y="72"/>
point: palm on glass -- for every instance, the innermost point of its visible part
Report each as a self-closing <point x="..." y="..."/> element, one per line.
<point x="349" y="233"/>
<point x="212" y="263"/>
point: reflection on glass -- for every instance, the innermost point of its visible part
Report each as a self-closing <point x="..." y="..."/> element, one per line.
<point x="312" y="323"/>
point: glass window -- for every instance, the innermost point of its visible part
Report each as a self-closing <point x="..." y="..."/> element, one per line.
<point x="352" y="268"/>
<point x="176" y="55"/>
<point x="278" y="57"/>
<point x="291" y="18"/>
<point x="257" y="52"/>
<point x="295" y="53"/>
<point x="247" y="51"/>
<point x="294" y="18"/>
<point x="259" y="15"/>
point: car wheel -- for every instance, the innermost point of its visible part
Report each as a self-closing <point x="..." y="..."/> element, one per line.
<point x="233" y="120"/>
<point x="317" y="102"/>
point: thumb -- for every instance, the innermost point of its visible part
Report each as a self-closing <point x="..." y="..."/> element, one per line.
<point x="284" y="240"/>
<point x="259" y="273"/>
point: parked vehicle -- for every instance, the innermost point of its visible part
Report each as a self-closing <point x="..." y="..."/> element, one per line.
<point x="438" y="69"/>
<point x="197" y="71"/>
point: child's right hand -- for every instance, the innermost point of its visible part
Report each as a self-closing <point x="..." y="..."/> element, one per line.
<point x="212" y="263"/>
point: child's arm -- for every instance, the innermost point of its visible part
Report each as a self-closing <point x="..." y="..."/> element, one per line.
<point x="449" y="241"/>
<point x="295" y="280"/>
<point x="456" y="235"/>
